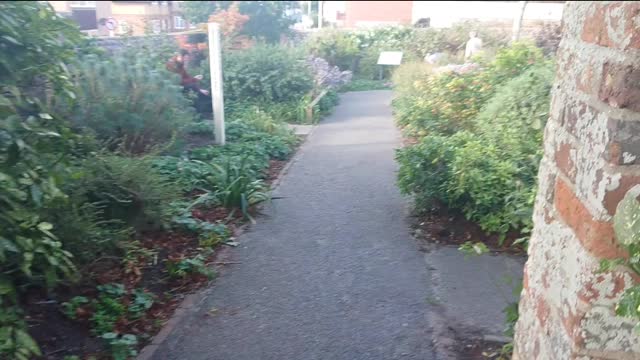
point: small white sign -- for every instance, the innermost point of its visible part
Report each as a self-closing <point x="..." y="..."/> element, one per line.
<point x="390" y="58"/>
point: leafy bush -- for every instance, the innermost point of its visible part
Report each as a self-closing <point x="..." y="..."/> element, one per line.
<point x="181" y="268"/>
<point x="339" y="48"/>
<point x="365" y="85"/>
<point x="266" y="74"/>
<point x="236" y="190"/>
<point x="128" y="102"/>
<point x="453" y="40"/>
<point x="405" y="77"/>
<point x="446" y="102"/>
<point x="626" y="225"/>
<point x="127" y="189"/>
<point x="487" y="166"/>
<point x="35" y="48"/>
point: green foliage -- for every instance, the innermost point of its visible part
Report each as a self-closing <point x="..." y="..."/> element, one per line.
<point x="108" y="310"/>
<point x="209" y="234"/>
<point x="483" y="141"/>
<point x="184" y="267"/>
<point x="15" y="341"/>
<point x="69" y="308"/>
<point x="236" y="190"/>
<point x="453" y="40"/>
<point x="358" y="50"/>
<point x="141" y="302"/>
<point x="339" y="48"/>
<point x="626" y="223"/>
<point x="406" y="77"/>
<point x="128" y="189"/>
<point x="122" y="347"/>
<point x="83" y="228"/>
<point x="266" y="74"/>
<point x="128" y="102"/>
<point x="473" y="249"/>
<point x="447" y="102"/>
<point x="36" y="43"/>
<point x="268" y="20"/>
<point x="365" y="85"/>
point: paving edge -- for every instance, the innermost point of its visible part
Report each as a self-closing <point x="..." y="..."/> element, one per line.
<point x="191" y="300"/>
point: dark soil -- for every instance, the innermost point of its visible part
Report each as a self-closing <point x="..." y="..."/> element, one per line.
<point x="442" y="226"/>
<point x="59" y="336"/>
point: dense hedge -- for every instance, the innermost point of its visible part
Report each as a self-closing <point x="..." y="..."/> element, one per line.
<point x="479" y="138"/>
<point x="358" y="50"/>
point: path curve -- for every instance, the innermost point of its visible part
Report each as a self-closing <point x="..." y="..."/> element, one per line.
<point x="331" y="271"/>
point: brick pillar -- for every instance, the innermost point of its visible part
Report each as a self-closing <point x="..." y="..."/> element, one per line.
<point x="592" y="158"/>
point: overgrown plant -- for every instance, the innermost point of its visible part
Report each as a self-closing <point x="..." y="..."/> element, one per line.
<point x="128" y="102"/>
<point x="482" y="161"/>
<point x="626" y="224"/>
<point x="183" y="267"/>
<point x="36" y="45"/>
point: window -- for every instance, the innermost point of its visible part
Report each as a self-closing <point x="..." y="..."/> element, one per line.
<point x="179" y="23"/>
<point x="82" y="4"/>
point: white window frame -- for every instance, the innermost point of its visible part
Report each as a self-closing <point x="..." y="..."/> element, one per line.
<point x="82" y="4"/>
<point x="179" y="23"/>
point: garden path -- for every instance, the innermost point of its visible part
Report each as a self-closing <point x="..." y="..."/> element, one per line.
<point x="331" y="271"/>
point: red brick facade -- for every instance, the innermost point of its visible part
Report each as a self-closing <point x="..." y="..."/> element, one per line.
<point x="592" y="152"/>
<point x="361" y="13"/>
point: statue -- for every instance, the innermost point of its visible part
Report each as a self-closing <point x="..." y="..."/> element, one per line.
<point x="474" y="45"/>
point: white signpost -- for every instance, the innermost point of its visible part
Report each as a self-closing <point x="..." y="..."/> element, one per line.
<point x="389" y="58"/>
<point x="215" y="66"/>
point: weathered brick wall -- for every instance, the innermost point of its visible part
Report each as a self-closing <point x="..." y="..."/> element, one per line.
<point x="592" y="158"/>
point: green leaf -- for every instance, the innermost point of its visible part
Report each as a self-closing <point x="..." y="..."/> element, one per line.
<point x="626" y="221"/>
<point x="25" y="340"/>
<point x="6" y="287"/>
<point x="45" y="226"/>
<point x="629" y="303"/>
<point x="11" y="39"/>
<point x="36" y="194"/>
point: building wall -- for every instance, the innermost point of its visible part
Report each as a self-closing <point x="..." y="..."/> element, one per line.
<point x="61" y="7"/>
<point x="591" y="160"/>
<point x="446" y="13"/>
<point x="372" y="13"/>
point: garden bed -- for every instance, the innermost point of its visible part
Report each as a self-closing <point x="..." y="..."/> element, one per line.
<point x="443" y="226"/>
<point x="59" y="336"/>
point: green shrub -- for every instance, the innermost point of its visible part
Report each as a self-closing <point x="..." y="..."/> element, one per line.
<point x="487" y="171"/>
<point x="129" y="103"/>
<point x="447" y="102"/>
<point x="126" y="189"/>
<point x="83" y="229"/>
<point x="266" y="74"/>
<point x="405" y="77"/>
<point x="453" y="40"/>
<point x="36" y="44"/>
<point x="339" y="48"/>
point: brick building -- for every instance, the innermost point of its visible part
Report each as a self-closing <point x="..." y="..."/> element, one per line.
<point x="591" y="160"/>
<point x="374" y="13"/>
<point x="131" y="17"/>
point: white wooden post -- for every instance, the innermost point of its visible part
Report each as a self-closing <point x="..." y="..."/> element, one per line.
<point x="320" y="14"/>
<point x="215" y="66"/>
